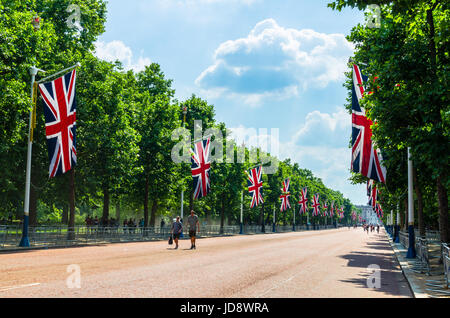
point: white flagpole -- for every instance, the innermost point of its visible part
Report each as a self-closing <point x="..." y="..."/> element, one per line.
<point x="411" y="250"/>
<point x="273" y="230"/>
<point x="60" y="72"/>
<point x="293" y="226"/>
<point x="242" y="214"/>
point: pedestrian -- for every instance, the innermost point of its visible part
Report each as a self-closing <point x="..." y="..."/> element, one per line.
<point x="162" y="223"/>
<point x="194" y="226"/>
<point x="378" y="228"/>
<point x="176" y="230"/>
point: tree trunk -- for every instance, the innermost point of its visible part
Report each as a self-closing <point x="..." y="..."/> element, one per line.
<point x="105" y="214"/>
<point x="443" y="211"/>
<point x="404" y="216"/>
<point x="146" y="202"/>
<point x="153" y="215"/>
<point x="65" y="214"/>
<point x="419" y="204"/>
<point x="118" y="211"/>
<point x="263" y="225"/>
<point x="222" y="214"/>
<point x="71" y="225"/>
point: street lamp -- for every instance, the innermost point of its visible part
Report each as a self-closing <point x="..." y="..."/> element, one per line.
<point x="36" y="22"/>
<point x="184" y="110"/>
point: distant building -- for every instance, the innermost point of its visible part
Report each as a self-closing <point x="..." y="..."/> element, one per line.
<point x="368" y="214"/>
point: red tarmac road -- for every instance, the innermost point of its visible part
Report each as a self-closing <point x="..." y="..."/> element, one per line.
<point x="330" y="263"/>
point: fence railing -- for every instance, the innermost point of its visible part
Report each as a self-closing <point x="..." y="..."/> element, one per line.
<point x="422" y="264"/>
<point x="431" y="236"/>
<point x="47" y="236"/>
<point x="404" y="239"/>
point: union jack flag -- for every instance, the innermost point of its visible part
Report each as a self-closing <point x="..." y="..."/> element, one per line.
<point x="201" y="168"/>
<point x="316" y="205"/>
<point x="285" y="196"/>
<point x="373" y="194"/>
<point x="341" y="212"/>
<point x="255" y="185"/>
<point x="60" y="121"/>
<point x="366" y="159"/>
<point x="325" y="209"/>
<point x="379" y="211"/>
<point x="303" y="201"/>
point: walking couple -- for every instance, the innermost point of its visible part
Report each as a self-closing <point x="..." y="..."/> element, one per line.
<point x="194" y="227"/>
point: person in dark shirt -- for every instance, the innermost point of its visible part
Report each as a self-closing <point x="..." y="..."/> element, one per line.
<point x="177" y="227"/>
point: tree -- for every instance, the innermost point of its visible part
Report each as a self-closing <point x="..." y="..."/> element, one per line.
<point x="408" y="56"/>
<point x="108" y="144"/>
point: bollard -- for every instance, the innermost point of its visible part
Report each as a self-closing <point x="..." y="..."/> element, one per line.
<point x="397" y="234"/>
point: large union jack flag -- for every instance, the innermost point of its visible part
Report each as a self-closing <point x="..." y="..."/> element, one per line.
<point x="303" y="201"/>
<point x="285" y="196"/>
<point x="201" y="168"/>
<point x="60" y="121"/>
<point x="366" y="159"/>
<point x="316" y="205"/>
<point x="255" y="185"/>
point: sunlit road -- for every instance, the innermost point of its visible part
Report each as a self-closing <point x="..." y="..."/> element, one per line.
<point x="330" y="263"/>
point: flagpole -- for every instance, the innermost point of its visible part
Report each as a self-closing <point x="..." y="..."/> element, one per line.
<point x="182" y="189"/>
<point x="60" y="72"/>
<point x="273" y="229"/>
<point x="242" y="214"/>
<point x="397" y="226"/>
<point x="307" y="219"/>
<point x="25" y="242"/>
<point x="293" y="225"/>
<point x="411" y="250"/>
<point x="263" y="227"/>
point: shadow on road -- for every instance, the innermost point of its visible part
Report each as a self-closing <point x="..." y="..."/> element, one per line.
<point x="378" y="252"/>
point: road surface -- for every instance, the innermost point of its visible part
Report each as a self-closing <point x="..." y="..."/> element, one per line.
<point x="328" y="263"/>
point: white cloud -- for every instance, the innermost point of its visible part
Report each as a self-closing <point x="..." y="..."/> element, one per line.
<point x="117" y="50"/>
<point x="273" y="59"/>
<point x="323" y="128"/>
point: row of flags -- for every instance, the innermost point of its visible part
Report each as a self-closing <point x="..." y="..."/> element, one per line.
<point x="255" y="190"/>
<point x="366" y="157"/>
<point x="201" y="169"/>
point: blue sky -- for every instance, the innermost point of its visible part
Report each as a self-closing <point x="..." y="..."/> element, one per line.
<point x="262" y="63"/>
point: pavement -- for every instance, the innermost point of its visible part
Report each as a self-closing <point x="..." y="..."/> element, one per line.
<point x="418" y="281"/>
<point x="314" y="264"/>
